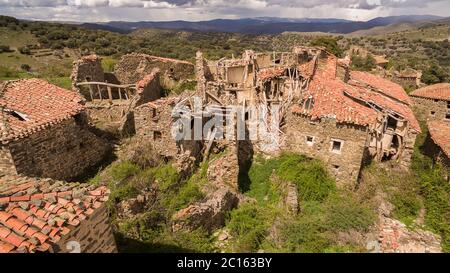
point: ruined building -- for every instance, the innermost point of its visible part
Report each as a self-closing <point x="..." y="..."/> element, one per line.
<point x="433" y="102"/>
<point x="133" y="67"/>
<point x="409" y="78"/>
<point x="44" y="215"/>
<point x="44" y="131"/>
<point x="323" y="109"/>
<point x="108" y="100"/>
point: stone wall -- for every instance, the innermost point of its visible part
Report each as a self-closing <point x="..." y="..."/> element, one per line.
<point x="155" y="123"/>
<point x="94" y="235"/>
<point x="425" y="107"/>
<point x="133" y="67"/>
<point x="148" y="88"/>
<point x="408" y="151"/>
<point x="6" y="161"/>
<point x="62" y="151"/>
<point x="107" y="116"/>
<point x="434" y="151"/>
<point x="344" y="165"/>
<point x="88" y="68"/>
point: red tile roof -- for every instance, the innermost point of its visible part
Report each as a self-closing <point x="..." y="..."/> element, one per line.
<point x="440" y="91"/>
<point x="41" y="103"/>
<point x="440" y="132"/>
<point x="382" y="85"/>
<point x="269" y="73"/>
<point x="34" y="213"/>
<point x="385" y="102"/>
<point x="307" y="69"/>
<point x="330" y="100"/>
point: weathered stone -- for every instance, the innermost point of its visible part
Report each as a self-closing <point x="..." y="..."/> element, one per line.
<point x="209" y="214"/>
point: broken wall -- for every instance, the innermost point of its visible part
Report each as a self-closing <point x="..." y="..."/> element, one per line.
<point x="133" y="67"/>
<point x="88" y="68"/>
<point x="153" y="122"/>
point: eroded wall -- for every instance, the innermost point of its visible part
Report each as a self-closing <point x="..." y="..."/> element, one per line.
<point x="133" y="67"/>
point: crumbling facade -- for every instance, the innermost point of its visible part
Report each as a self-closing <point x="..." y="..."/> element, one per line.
<point x="135" y="66"/>
<point x="44" y="215"/>
<point x="433" y="102"/>
<point x="322" y="109"/>
<point x="156" y="121"/>
<point x="110" y="102"/>
<point x="44" y="132"/>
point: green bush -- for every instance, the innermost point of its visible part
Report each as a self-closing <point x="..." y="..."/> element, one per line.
<point x="330" y="44"/>
<point x="25" y="50"/>
<point x="344" y="212"/>
<point x="310" y="176"/>
<point x="123" y="170"/>
<point x="249" y="224"/>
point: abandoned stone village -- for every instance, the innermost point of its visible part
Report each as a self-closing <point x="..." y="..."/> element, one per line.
<point x="52" y="137"/>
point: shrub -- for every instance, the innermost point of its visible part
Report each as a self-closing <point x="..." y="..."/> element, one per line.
<point x="25" y="50"/>
<point x="249" y="225"/>
<point x="25" y="67"/>
<point x="5" y="48"/>
<point x="123" y="170"/>
<point x="310" y="176"/>
<point x="344" y="212"/>
<point x="330" y="44"/>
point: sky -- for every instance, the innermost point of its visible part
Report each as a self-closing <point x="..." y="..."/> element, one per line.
<point x="197" y="10"/>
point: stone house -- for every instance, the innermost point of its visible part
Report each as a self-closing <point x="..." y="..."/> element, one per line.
<point x="437" y="144"/>
<point x="326" y="111"/>
<point x="44" y="215"/>
<point x="44" y="131"/>
<point x="433" y="102"/>
<point x="408" y="78"/>
<point x="110" y="102"/>
<point x="156" y="121"/>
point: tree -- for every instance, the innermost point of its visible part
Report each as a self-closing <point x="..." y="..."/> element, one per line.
<point x="330" y="44"/>
<point x="5" y="48"/>
<point x="365" y="64"/>
<point x="25" y="67"/>
<point x="25" y="50"/>
<point x="435" y="74"/>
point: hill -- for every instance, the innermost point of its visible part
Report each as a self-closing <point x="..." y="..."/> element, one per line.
<point x="264" y="25"/>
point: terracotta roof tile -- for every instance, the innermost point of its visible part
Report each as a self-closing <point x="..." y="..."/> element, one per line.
<point x="32" y="224"/>
<point x="32" y="104"/>
<point x="330" y="100"/>
<point x="269" y="73"/>
<point x="385" y="102"/>
<point x="440" y="91"/>
<point x="440" y="132"/>
<point x="382" y="85"/>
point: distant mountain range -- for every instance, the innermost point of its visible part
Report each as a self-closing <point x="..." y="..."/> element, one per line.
<point x="264" y="25"/>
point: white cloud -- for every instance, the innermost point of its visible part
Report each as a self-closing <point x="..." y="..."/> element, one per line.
<point x="134" y="10"/>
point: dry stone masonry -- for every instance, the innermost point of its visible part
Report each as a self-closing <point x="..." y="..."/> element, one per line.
<point x="45" y="132"/>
